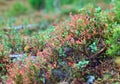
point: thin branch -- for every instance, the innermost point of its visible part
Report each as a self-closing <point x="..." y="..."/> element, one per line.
<point x="98" y="53"/>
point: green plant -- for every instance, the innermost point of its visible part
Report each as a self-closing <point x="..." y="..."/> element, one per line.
<point x="40" y="40"/>
<point x="61" y="52"/>
<point x="3" y="61"/>
<point x="2" y="21"/>
<point x="81" y="64"/>
<point x="93" y="47"/>
<point x="26" y="72"/>
<point x="117" y="11"/>
<point x="49" y="5"/>
<point x="10" y="22"/>
<point x="63" y="2"/>
<point x="19" y="79"/>
<point x="37" y="4"/>
<point x="18" y="8"/>
<point x="114" y="42"/>
<point x="67" y="11"/>
<point x="66" y="49"/>
<point x="12" y="41"/>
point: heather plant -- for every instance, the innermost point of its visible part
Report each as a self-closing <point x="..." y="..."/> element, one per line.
<point x="39" y="40"/>
<point x="80" y="34"/>
<point x="71" y="50"/>
<point x="25" y="73"/>
<point x="4" y="60"/>
<point x="12" y="41"/>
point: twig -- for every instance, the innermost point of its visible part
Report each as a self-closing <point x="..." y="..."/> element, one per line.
<point x="29" y="26"/>
<point x="83" y="53"/>
<point x="98" y="53"/>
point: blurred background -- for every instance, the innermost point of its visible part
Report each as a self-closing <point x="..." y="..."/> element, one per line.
<point x="15" y="13"/>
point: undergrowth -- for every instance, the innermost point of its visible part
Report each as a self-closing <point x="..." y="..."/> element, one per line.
<point x="70" y="51"/>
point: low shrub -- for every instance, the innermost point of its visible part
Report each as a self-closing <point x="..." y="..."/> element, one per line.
<point x="12" y="42"/>
<point x="4" y="60"/>
<point x="71" y="50"/>
<point x="114" y="43"/>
